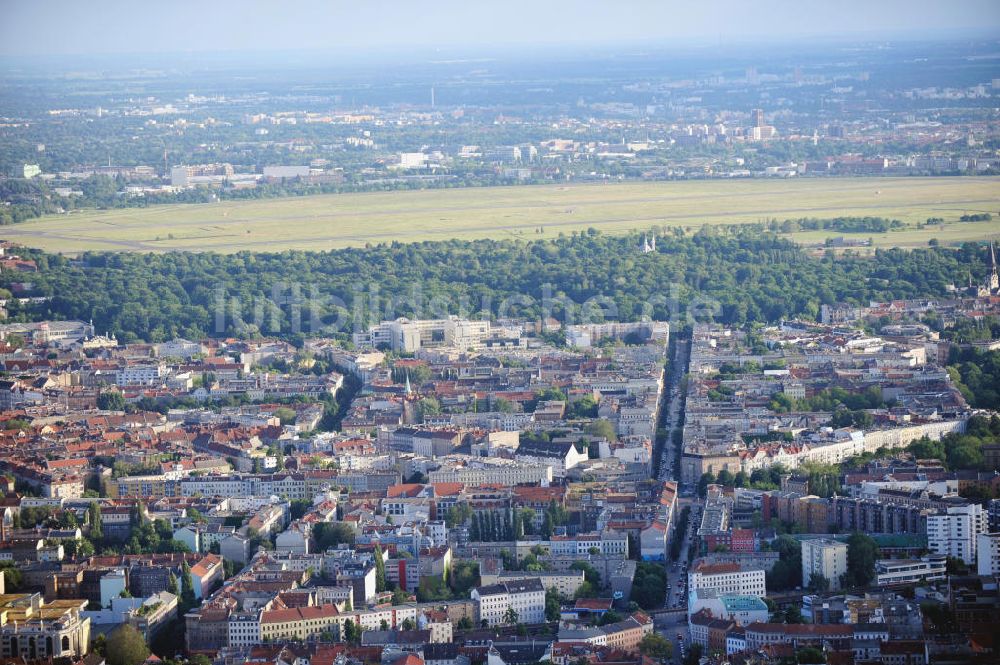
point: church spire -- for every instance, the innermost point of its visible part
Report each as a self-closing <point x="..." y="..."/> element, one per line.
<point x="993" y="279"/>
<point x="991" y="284"/>
<point x="648" y="246"/>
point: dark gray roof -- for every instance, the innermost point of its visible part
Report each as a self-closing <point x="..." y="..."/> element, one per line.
<point x="557" y="449"/>
<point x="382" y="637"/>
<point x="524" y="585"/>
<point x="512" y="586"/>
<point x="521" y="653"/>
<point x="441" y="651"/>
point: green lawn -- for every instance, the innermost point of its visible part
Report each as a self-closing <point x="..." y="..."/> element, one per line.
<point x="326" y="222"/>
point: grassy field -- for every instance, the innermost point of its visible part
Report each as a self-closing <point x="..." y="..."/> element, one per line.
<point x="326" y="222"/>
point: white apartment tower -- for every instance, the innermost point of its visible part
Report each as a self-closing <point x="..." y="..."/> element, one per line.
<point x="953" y="532"/>
<point x="822" y="556"/>
<point x="988" y="554"/>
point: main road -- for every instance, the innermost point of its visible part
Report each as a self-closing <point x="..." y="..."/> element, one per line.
<point x="674" y="624"/>
<point x="669" y="453"/>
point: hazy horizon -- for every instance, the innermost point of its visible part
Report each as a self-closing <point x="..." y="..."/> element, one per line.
<point x="115" y="27"/>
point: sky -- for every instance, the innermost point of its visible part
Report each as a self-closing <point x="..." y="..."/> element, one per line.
<point x="95" y="27"/>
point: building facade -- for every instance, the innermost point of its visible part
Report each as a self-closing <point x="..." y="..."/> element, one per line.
<point x="826" y="558"/>
<point x="35" y="630"/>
<point x="953" y="531"/>
<point x="988" y="554"/>
<point x="525" y="597"/>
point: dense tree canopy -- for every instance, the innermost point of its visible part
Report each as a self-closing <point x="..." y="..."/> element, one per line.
<point x="649" y="586"/>
<point x="787" y="571"/>
<point x="111" y="400"/>
<point x="961" y="451"/>
<point x="331" y="534"/>
<point x="862" y="552"/>
<point x="977" y="375"/>
<point x="752" y="276"/>
<point x="655" y="645"/>
<point x="126" y="646"/>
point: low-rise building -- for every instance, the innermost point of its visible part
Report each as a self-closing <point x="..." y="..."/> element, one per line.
<point x="910" y="571"/>
<point x="709" y="631"/>
<point x="566" y="583"/>
<point x="33" y="630"/>
<point x="741" y="609"/>
<point x="299" y="623"/>
<point x="606" y="542"/>
<point x="525" y="597"/>
<point x="834" y="637"/>
<point x="727" y="578"/>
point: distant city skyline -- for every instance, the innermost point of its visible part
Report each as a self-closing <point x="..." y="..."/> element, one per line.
<point x="68" y="27"/>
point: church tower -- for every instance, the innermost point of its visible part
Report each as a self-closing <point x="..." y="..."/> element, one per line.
<point x="990" y="285"/>
<point x="993" y="279"/>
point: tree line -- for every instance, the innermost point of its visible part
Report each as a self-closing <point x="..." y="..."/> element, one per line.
<point x="843" y="224"/>
<point x="745" y="277"/>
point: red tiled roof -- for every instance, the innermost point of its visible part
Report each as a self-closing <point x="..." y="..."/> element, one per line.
<point x="409" y="659"/>
<point x="716" y="568"/>
<point x="300" y="614"/>
<point x="404" y="490"/>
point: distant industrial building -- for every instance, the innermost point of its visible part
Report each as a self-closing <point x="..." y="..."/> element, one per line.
<point x="285" y="171"/>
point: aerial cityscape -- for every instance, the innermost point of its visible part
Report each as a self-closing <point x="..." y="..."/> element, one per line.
<point x="565" y="333"/>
